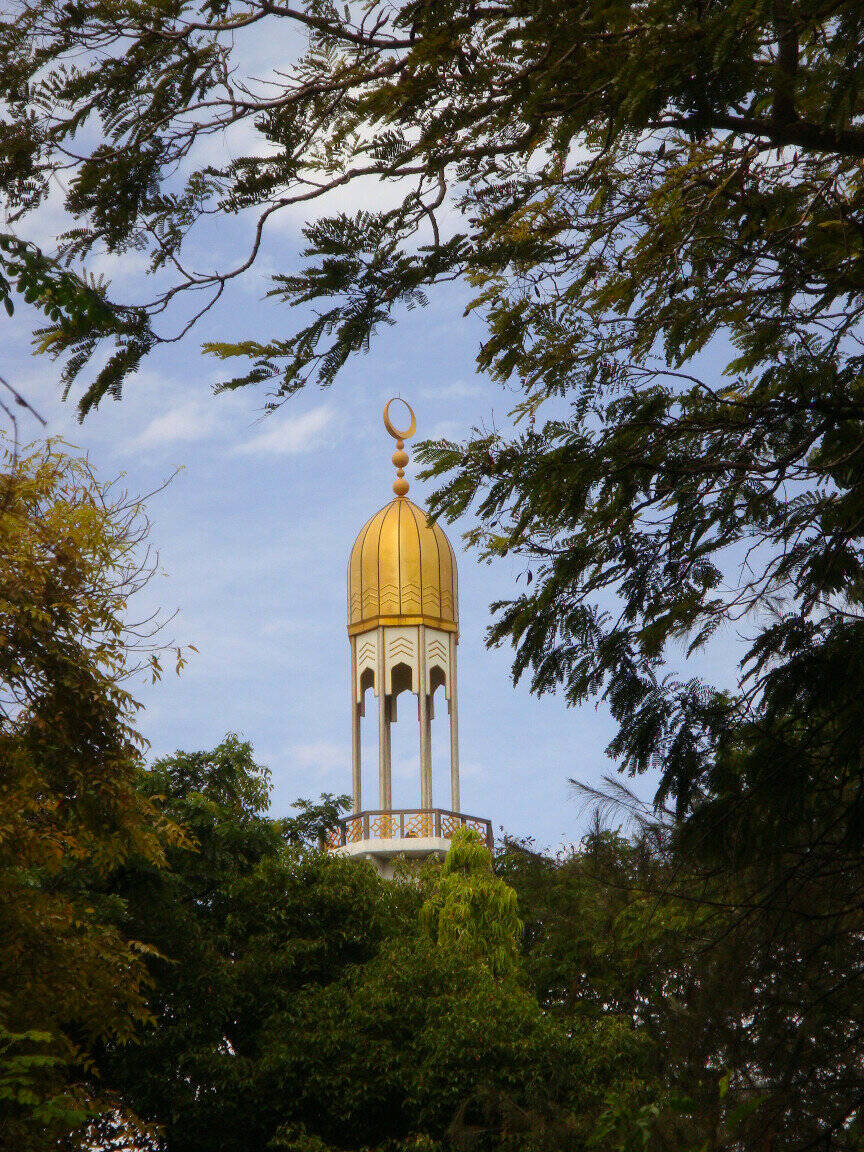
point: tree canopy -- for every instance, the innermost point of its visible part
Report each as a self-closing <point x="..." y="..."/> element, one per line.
<point x="299" y="1001"/>
<point x="472" y="912"/>
<point x="749" y="1013"/>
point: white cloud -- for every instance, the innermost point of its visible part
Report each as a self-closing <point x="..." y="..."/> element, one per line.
<point x="366" y="193"/>
<point x="290" y="436"/>
<point x="122" y="267"/>
<point x="45" y="224"/>
<point x="447" y="430"/>
<point x="323" y="756"/>
<point x="455" y="390"/>
<point x="191" y="421"/>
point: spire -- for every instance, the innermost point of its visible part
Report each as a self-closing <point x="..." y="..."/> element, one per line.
<point x="400" y="456"/>
<point x="403" y="631"/>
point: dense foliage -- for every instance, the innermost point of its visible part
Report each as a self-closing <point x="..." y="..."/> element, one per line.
<point x="300" y="1002"/>
<point x="472" y="913"/>
<point x="753" y="1019"/>
<point x="70" y="808"/>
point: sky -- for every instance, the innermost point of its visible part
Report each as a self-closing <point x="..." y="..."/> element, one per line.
<point x="253" y="535"/>
<point x="254" y="531"/>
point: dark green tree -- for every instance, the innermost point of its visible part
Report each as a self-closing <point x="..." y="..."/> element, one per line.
<point x="422" y="1049"/>
<point x="240" y="921"/>
<point x="299" y="1003"/>
<point x="742" y="979"/>
<point x="634" y="186"/>
<point x="659" y="208"/>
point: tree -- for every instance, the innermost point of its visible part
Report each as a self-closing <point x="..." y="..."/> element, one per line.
<point x="240" y="921"/>
<point x="614" y="930"/>
<point x="299" y="1003"/>
<point x="471" y="911"/>
<point x="644" y="192"/>
<point x="422" y="1047"/>
<point x="70" y="808"/>
<point x="742" y="982"/>
<point x="315" y="819"/>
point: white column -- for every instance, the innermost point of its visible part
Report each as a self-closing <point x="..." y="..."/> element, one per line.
<point x="425" y="726"/>
<point x="454" y="731"/>
<point x="355" y="729"/>
<point x="388" y="779"/>
<point x="383" y="728"/>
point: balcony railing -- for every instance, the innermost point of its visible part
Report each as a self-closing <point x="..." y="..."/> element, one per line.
<point x="405" y="824"/>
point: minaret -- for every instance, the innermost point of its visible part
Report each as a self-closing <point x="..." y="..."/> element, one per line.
<point x="403" y="630"/>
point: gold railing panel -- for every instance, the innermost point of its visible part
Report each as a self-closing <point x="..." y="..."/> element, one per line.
<point x="477" y="825"/>
<point x="354" y="830"/>
<point x="419" y="824"/>
<point x="450" y="823"/>
<point x="384" y="827"/>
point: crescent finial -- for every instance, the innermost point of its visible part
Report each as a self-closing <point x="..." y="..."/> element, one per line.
<point x="400" y="456"/>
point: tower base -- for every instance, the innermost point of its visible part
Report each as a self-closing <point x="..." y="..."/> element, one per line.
<point x="386" y="854"/>
<point x="383" y="837"/>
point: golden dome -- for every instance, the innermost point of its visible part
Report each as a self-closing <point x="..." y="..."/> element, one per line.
<point x="402" y="571"/>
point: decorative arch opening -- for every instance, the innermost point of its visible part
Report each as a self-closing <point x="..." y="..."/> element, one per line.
<point x="367" y="681"/>
<point x="401" y="679"/>
<point x="437" y="678"/>
<point x="439" y="736"/>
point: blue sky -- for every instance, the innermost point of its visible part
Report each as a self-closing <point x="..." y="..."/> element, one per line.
<point x="254" y="534"/>
<point x="255" y="530"/>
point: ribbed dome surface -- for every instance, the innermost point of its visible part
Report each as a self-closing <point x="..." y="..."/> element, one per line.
<point x="402" y="570"/>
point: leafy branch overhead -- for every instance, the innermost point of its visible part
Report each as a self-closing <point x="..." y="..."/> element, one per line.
<point x="632" y="192"/>
<point x="607" y="167"/>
